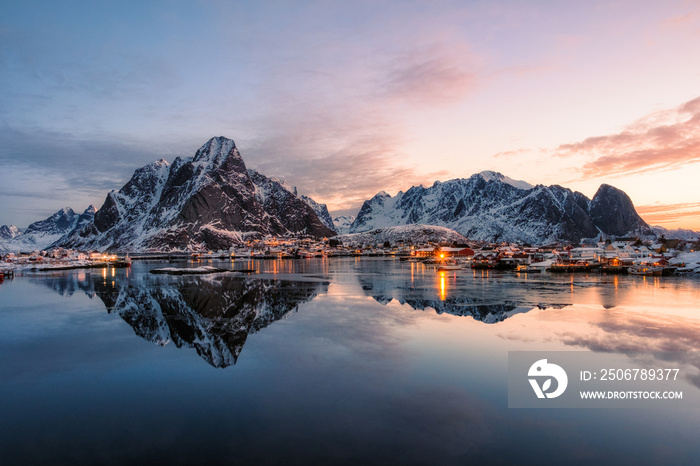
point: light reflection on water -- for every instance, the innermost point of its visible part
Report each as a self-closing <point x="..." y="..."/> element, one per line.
<point x="324" y="360"/>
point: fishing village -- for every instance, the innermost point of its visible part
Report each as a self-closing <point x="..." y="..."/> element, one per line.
<point x="623" y="256"/>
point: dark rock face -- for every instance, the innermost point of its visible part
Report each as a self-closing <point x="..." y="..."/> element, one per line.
<point x="108" y="215"/>
<point x="321" y="211"/>
<point x="285" y="207"/>
<point x="613" y="212"/>
<point x="209" y="201"/>
<point x="488" y="207"/>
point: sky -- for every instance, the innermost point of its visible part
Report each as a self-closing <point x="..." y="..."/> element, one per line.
<point x="346" y="99"/>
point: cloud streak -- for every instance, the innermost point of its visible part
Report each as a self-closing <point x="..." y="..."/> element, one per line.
<point x="669" y="213"/>
<point x="651" y="144"/>
<point x="430" y="77"/>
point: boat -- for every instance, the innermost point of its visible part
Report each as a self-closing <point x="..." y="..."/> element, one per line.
<point x="448" y="265"/>
<point x="646" y="270"/>
<point x="123" y="263"/>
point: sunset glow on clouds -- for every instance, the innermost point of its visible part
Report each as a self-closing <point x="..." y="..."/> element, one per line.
<point x="344" y="99"/>
<point x="647" y="145"/>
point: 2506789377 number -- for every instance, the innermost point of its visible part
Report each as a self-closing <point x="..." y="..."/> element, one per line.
<point x="639" y="374"/>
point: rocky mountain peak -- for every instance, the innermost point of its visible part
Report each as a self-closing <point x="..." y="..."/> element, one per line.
<point x="218" y="153"/>
<point x="61" y="220"/>
<point x="209" y="201"/>
<point x="489" y="175"/>
<point x="214" y="148"/>
<point x="613" y="212"/>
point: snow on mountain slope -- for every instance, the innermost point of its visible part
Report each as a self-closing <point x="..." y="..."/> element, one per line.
<point x="495" y="176"/>
<point x="489" y="206"/>
<point x="411" y="234"/>
<point x="42" y="234"/>
<point x="342" y="223"/>
<point x="680" y="233"/>
<point x="9" y="232"/>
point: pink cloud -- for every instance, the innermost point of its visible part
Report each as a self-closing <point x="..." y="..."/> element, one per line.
<point x="433" y="76"/>
<point x="691" y="107"/>
<point x="670" y="213"/>
<point x="645" y="145"/>
<point x="512" y="153"/>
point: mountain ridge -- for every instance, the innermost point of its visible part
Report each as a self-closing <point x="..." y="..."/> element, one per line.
<point x="489" y="206"/>
<point x="213" y="201"/>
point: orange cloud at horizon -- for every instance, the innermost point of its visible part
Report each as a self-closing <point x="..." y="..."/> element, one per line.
<point x="662" y="141"/>
<point x="683" y="215"/>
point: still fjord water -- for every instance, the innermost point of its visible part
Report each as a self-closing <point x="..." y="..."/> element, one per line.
<point x="336" y="361"/>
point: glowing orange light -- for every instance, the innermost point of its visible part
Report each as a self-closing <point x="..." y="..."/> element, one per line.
<point x="443" y="293"/>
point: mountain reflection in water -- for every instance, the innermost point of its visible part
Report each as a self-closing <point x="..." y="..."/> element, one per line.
<point x="365" y="372"/>
<point x="492" y="309"/>
<point x="213" y="315"/>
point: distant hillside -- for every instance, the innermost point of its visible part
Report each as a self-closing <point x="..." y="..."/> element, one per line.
<point x="411" y="234"/>
<point x="679" y="233"/>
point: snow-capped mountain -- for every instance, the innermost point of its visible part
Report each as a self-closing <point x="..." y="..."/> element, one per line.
<point x="322" y="211"/>
<point x="342" y="224"/>
<point x="209" y="201"/>
<point x="9" y="232"/>
<point x="44" y="233"/>
<point x="491" y="207"/>
<point x="413" y="234"/>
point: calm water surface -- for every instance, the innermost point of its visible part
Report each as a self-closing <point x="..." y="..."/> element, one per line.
<point x="336" y="361"/>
